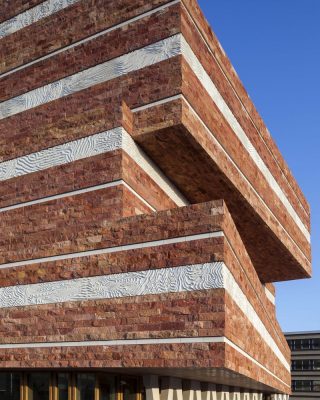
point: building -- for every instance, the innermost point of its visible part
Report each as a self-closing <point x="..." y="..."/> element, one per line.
<point x="145" y="210"/>
<point x="305" y="364"/>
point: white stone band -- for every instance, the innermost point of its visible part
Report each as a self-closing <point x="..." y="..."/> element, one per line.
<point x="33" y="15"/>
<point x="165" y="280"/>
<point x="90" y="146"/>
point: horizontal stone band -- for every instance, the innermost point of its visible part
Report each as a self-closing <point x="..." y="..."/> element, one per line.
<point x="90" y="146"/>
<point x="165" y="280"/>
<point x="33" y="15"/>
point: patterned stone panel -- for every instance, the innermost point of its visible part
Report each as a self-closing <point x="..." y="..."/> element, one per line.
<point x="178" y="279"/>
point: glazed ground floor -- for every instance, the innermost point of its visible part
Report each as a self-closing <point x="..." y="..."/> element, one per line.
<point x="100" y="385"/>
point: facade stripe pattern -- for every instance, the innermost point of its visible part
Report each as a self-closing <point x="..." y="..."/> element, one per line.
<point x="133" y="61"/>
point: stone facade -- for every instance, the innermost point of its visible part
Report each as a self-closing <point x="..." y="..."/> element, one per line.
<point x="145" y="210"/>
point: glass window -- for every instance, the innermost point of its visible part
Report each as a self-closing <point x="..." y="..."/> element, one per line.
<point x="9" y="386"/>
<point x="38" y="384"/>
<point x="129" y="388"/>
<point x="302" y="386"/>
<point x="291" y="344"/>
<point x="107" y="386"/>
<point x="85" y="386"/>
<point x="305" y="344"/>
<point x="316" y="386"/>
<point x="316" y="364"/>
<point x="297" y="365"/>
<point x="316" y="344"/>
<point x="63" y="381"/>
<point x="306" y="365"/>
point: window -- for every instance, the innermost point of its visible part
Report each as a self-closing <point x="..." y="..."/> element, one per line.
<point x="316" y="365"/>
<point x="38" y="386"/>
<point x="316" y="386"/>
<point x="69" y="386"/>
<point x="85" y="386"/>
<point x="63" y="384"/>
<point x="291" y="344"/>
<point x="305" y="344"/>
<point x="9" y="386"/>
<point x="129" y="388"/>
<point x="315" y="344"/>
<point x="302" y="386"/>
<point x="302" y="365"/>
<point x="107" y="386"/>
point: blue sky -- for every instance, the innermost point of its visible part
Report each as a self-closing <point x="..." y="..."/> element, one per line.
<point x="275" y="48"/>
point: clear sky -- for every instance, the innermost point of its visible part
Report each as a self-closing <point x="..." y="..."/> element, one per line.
<point x="274" y="46"/>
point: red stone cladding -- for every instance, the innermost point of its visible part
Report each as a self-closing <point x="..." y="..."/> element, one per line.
<point x="112" y="44"/>
<point x="263" y="244"/>
<point x="213" y="69"/>
<point x="74" y="23"/>
<point x="168" y="356"/>
<point x="232" y="77"/>
<point x="81" y="174"/>
<point x="45" y="122"/>
<point x="176" y="139"/>
<point x="87" y="112"/>
<point x="158" y="316"/>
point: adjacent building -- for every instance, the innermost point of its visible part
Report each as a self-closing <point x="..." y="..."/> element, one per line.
<point x="145" y="210"/>
<point x="305" y="364"/>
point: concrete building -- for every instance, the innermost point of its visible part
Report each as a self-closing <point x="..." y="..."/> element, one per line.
<point x="145" y="210"/>
<point x="305" y="364"/>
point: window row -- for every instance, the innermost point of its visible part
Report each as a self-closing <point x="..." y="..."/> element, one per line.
<point x="304" y="344"/>
<point x="305" y="365"/>
<point x="68" y="386"/>
<point x="306" y="386"/>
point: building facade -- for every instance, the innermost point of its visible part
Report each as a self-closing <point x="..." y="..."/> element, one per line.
<point x="305" y="364"/>
<point x="145" y="210"/>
